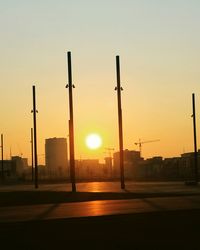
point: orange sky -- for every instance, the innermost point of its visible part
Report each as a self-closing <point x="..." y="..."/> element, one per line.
<point x="158" y="44"/>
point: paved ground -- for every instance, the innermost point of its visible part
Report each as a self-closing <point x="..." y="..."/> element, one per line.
<point x="131" y="186"/>
<point x="24" y="202"/>
<point x="97" y="208"/>
<point x="149" y="215"/>
<point x="157" y="231"/>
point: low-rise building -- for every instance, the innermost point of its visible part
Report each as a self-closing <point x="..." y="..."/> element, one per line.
<point x="131" y="160"/>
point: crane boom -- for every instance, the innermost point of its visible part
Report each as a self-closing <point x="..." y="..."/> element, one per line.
<point x="109" y="150"/>
<point x="141" y="142"/>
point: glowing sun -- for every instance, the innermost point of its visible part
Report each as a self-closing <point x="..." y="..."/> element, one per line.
<point x="93" y="141"/>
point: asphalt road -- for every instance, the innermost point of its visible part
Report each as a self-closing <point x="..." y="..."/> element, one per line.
<point x="136" y="187"/>
<point x="140" y="223"/>
<point x="97" y="208"/>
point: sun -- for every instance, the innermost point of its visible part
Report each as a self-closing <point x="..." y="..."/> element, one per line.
<point x="93" y="141"/>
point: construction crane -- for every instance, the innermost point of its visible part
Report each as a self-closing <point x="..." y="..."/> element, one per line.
<point x="109" y="162"/>
<point x="141" y="142"/>
<point x="109" y="151"/>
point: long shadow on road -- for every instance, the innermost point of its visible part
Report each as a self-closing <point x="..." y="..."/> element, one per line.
<point x="48" y="197"/>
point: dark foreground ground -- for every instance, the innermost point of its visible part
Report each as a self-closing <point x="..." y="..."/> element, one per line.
<point x="20" y="198"/>
<point x="159" y="230"/>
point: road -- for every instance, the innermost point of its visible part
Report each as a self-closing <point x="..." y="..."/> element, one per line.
<point x="136" y="187"/>
<point x="52" y="201"/>
<point x="158" y="222"/>
<point x="97" y="208"/>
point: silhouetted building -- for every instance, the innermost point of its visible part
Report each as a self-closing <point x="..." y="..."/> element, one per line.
<point x="88" y="169"/>
<point x="131" y="161"/>
<point x="9" y="169"/>
<point x="56" y="157"/>
<point x="21" y="164"/>
<point x="150" y="169"/>
<point x="188" y="164"/>
<point x="107" y="168"/>
<point x="168" y="169"/>
<point x="14" y="168"/>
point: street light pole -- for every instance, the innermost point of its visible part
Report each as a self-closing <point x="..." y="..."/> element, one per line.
<point x="35" y="138"/>
<point x="195" y="140"/>
<point x="121" y="156"/>
<point x="71" y="124"/>
<point x="32" y="172"/>
<point x="67" y="153"/>
<point x="2" y="167"/>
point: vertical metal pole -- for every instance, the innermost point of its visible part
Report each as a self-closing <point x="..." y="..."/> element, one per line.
<point x="32" y="162"/>
<point x="35" y="138"/>
<point x="140" y="148"/>
<point x="71" y="124"/>
<point x="195" y="140"/>
<point x="121" y="155"/>
<point x="2" y="167"/>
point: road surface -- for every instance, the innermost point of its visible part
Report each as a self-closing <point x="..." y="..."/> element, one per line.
<point x="141" y="223"/>
<point x="136" y="187"/>
<point x="97" y="208"/>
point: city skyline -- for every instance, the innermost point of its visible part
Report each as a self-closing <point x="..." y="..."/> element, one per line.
<point x="159" y="52"/>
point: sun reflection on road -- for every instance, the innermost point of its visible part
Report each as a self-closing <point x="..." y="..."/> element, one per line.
<point x="99" y="187"/>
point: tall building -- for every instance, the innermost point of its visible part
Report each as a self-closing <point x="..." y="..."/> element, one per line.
<point x="56" y="157"/>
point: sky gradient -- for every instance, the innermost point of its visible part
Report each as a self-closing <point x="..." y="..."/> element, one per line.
<point x="158" y="43"/>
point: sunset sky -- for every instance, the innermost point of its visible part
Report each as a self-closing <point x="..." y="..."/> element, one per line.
<point x="159" y="47"/>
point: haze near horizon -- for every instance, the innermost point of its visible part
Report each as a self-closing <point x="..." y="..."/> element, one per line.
<point x="158" y="44"/>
